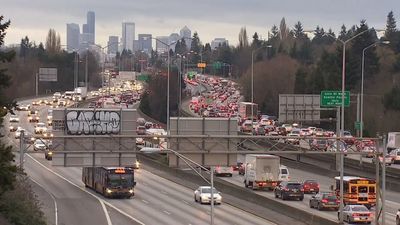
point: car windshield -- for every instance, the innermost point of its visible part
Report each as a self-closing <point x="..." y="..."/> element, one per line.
<point x="284" y="171"/>
<point x="360" y="209"/>
<point x="294" y="185"/>
<point x="329" y="196"/>
<point x="124" y="180"/>
<point x="208" y="190"/>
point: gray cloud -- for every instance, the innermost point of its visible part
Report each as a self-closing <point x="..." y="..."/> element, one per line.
<point x="211" y="18"/>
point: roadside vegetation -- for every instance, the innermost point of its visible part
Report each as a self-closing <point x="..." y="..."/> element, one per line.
<point x="18" y="204"/>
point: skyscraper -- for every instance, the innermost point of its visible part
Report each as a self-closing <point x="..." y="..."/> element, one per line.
<point x="112" y="45"/>
<point x="88" y="30"/>
<point x="173" y="38"/>
<point x="145" y="43"/>
<point x="72" y="36"/>
<point x="186" y="33"/>
<point x="128" y="35"/>
<point x="90" y="17"/>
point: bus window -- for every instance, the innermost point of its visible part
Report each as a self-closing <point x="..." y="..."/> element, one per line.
<point x="353" y="189"/>
<point x="371" y="189"/>
<point x="123" y="180"/>
<point x="362" y="189"/>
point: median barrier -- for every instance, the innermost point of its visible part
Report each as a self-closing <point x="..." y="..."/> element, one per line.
<point x="240" y="197"/>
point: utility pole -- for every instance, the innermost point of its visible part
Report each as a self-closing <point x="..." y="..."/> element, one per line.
<point x="21" y="149"/>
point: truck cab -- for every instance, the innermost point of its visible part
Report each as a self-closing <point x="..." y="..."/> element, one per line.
<point x="284" y="173"/>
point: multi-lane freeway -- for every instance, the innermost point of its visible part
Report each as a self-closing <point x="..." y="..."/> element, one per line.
<point x="156" y="201"/>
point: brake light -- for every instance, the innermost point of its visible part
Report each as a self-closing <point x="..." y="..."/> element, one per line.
<point x="356" y="214"/>
<point x="318" y="186"/>
<point x="337" y="201"/>
<point x="302" y="189"/>
<point x="324" y="201"/>
<point x="286" y="189"/>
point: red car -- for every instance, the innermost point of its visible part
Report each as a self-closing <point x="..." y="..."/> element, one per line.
<point x="311" y="186"/>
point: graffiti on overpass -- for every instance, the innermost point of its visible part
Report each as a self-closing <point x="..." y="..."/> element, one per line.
<point x="92" y="122"/>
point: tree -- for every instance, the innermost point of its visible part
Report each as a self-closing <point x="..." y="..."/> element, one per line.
<point x="145" y="104"/>
<point x="298" y="31"/>
<point x="53" y="43"/>
<point x="300" y="85"/>
<point x="196" y="47"/>
<point x="390" y="26"/>
<point x="283" y="30"/>
<point x="256" y="42"/>
<point x="343" y="32"/>
<point x="243" y="41"/>
<point x="274" y="32"/>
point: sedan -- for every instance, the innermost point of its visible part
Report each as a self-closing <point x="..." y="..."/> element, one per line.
<point x="356" y="214"/>
<point x="203" y="195"/>
<point x="395" y="155"/>
<point x="311" y="186"/>
<point x="39" y="145"/>
<point x="13" y="128"/>
<point x="324" y="200"/>
<point x="14" y="119"/>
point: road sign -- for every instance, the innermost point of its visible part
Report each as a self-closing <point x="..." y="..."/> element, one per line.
<point x="357" y="125"/>
<point x="298" y="107"/>
<point x="217" y="65"/>
<point x="48" y="74"/>
<point x="143" y="77"/>
<point x="334" y="98"/>
<point x="201" y="65"/>
<point x="191" y="74"/>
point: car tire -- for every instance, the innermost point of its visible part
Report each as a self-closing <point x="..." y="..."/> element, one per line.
<point x="310" y="204"/>
<point x="301" y="198"/>
<point x="195" y="199"/>
<point x="348" y="219"/>
<point x="276" y="196"/>
<point x="319" y="207"/>
<point x="283" y="196"/>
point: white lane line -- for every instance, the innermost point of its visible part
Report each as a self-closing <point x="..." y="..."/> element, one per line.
<point x="52" y="196"/>
<point x="187" y="203"/>
<point x="105" y="212"/>
<point x="391" y="214"/>
<point x="164" y="192"/>
<point x="166" y="212"/>
<point x="146" y="202"/>
<point x="72" y="183"/>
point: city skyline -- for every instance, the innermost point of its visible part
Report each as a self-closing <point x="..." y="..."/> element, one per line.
<point x="164" y="19"/>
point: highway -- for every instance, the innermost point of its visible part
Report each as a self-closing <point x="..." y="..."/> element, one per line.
<point x="156" y="201"/>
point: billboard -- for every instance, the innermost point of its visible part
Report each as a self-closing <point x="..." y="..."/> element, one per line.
<point x="87" y="130"/>
<point x="48" y="74"/>
<point x="205" y="148"/>
<point x="299" y="108"/>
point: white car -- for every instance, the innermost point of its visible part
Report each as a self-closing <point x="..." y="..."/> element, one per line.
<point x="39" y="145"/>
<point x="139" y="141"/>
<point x="395" y="155"/>
<point x="14" y="119"/>
<point x="203" y="195"/>
<point x="356" y="214"/>
<point x="40" y="128"/>
<point x="18" y="132"/>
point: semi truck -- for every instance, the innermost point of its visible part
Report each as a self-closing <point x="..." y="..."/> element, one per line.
<point x="393" y="141"/>
<point x="245" y="110"/>
<point x="262" y="171"/>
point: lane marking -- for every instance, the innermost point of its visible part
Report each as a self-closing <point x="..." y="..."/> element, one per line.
<point x="146" y="202"/>
<point x="390" y="214"/>
<point x="52" y="196"/>
<point x="187" y="203"/>
<point x="164" y="192"/>
<point x="166" y="212"/>
<point x="86" y="191"/>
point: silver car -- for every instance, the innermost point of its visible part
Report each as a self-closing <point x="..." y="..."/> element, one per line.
<point x="356" y="214"/>
<point x="203" y="195"/>
<point x="39" y="145"/>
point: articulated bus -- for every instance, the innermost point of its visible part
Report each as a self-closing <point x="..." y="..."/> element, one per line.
<point x="357" y="190"/>
<point x="110" y="181"/>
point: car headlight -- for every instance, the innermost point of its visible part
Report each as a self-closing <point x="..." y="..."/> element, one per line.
<point x="109" y="191"/>
<point x="137" y="164"/>
<point x="131" y="191"/>
<point x="50" y="153"/>
<point x="11" y="127"/>
<point x="219" y="197"/>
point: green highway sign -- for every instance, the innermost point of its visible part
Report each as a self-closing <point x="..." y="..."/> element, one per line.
<point x="143" y="77"/>
<point x="357" y="125"/>
<point x="334" y="98"/>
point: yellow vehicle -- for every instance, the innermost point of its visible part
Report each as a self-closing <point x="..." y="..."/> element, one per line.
<point x="357" y="190"/>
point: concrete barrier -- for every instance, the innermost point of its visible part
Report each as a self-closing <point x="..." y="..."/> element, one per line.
<point x="240" y="197"/>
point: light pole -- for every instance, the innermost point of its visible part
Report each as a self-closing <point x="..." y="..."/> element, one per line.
<point x="187" y="160"/>
<point x="252" y="78"/>
<point x="362" y="84"/>
<point x="342" y="115"/>
<point x="168" y="62"/>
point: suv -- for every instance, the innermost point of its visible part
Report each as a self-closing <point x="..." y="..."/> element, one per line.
<point x="286" y="190"/>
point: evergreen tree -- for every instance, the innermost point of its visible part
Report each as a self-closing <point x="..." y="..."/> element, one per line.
<point x="298" y="31"/>
<point x="274" y="32"/>
<point x="196" y="48"/>
<point x="256" y="42"/>
<point x="343" y="32"/>
<point x="300" y="85"/>
<point x="283" y="30"/>
<point x="243" y="40"/>
<point x="390" y="26"/>
<point x="145" y="104"/>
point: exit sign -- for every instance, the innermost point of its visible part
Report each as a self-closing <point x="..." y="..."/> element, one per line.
<point x="334" y="98"/>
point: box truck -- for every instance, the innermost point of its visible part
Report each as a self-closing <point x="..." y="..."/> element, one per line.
<point x="262" y="171"/>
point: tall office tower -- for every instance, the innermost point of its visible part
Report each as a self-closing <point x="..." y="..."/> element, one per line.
<point x="187" y="35"/>
<point x="72" y="36"/>
<point x="128" y="35"/>
<point x="160" y="46"/>
<point x="173" y="38"/>
<point x="217" y="42"/>
<point x="112" y="45"/>
<point x="145" y="41"/>
<point x="88" y="29"/>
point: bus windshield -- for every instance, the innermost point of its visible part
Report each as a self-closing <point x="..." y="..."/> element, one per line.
<point x="124" y="180"/>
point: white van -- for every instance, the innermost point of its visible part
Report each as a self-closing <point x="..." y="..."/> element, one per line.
<point x="284" y="173"/>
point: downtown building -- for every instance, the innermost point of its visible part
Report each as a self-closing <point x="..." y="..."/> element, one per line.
<point x="160" y="46"/>
<point x="87" y="37"/>
<point x="73" y="37"/>
<point x="186" y="34"/>
<point x="218" y="42"/>
<point x="112" y="45"/>
<point x="128" y="36"/>
<point x="145" y="43"/>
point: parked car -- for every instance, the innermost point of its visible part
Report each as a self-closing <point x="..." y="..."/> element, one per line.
<point x="310" y="186"/>
<point x="324" y="200"/>
<point x="203" y="195"/>
<point x="289" y="189"/>
<point x="356" y="213"/>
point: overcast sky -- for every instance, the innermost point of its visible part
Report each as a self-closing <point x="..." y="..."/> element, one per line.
<point x="210" y="18"/>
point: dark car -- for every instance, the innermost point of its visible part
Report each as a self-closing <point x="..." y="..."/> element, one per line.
<point x="289" y="189"/>
<point x="241" y="169"/>
<point x="48" y="154"/>
<point x="238" y="165"/>
<point x="325" y="200"/>
<point x="319" y="145"/>
<point x="311" y="186"/>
